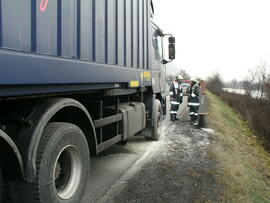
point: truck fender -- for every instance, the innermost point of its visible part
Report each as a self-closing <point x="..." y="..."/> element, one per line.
<point x="49" y="110"/>
<point x="11" y="145"/>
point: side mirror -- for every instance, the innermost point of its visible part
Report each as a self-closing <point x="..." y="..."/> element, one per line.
<point x="171" y="40"/>
<point x="171" y="51"/>
<point x="171" y="48"/>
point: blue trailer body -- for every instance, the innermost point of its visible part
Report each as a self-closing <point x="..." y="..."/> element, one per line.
<point x="51" y="46"/>
<point x="76" y="77"/>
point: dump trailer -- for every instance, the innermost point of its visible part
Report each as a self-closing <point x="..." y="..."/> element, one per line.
<point x="76" y="76"/>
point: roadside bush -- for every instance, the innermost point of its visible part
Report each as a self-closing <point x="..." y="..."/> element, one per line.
<point x="215" y="84"/>
<point x="257" y="113"/>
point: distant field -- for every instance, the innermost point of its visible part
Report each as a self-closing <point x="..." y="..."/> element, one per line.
<point x="254" y="94"/>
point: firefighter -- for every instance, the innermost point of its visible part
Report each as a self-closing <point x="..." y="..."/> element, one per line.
<point x="193" y="99"/>
<point x="176" y="95"/>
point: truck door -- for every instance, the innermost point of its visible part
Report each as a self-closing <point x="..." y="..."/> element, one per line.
<point x="162" y="67"/>
<point x="155" y="59"/>
<point x="158" y="69"/>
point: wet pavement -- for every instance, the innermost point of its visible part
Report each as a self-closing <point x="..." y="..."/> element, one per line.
<point x="112" y="164"/>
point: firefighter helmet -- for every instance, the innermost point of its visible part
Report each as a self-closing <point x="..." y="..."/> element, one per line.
<point x="193" y="79"/>
<point x="179" y="77"/>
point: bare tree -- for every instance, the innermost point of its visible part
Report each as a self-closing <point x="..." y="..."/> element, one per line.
<point x="250" y="82"/>
<point x="214" y="83"/>
<point x="261" y="87"/>
<point x="185" y="75"/>
<point x="256" y="83"/>
<point x="267" y="88"/>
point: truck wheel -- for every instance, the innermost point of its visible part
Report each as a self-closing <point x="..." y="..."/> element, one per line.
<point x="157" y="115"/>
<point x="63" y="161"/>
<point x="63" y="164"/>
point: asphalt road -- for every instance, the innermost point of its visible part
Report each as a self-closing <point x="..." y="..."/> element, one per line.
<point x="121" y="162"/>
<point x="180" y="169"/>
<point x="112" y="164"/>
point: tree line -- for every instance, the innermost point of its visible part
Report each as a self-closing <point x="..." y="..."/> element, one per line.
<point x="254" y="104"/>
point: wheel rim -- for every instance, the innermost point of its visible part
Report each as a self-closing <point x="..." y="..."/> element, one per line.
<point x="67" y="172"/>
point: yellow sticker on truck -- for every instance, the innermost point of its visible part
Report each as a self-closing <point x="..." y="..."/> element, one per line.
<point x="134" y="83"/>
<point x="146" y="74"/>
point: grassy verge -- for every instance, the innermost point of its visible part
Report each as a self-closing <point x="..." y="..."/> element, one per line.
<point x="245" y="165"/>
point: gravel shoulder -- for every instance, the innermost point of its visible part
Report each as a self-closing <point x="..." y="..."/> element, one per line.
<point x="177" y="170"/>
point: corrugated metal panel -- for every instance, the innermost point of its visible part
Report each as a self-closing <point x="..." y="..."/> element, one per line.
<point x="111" y="35"/>
<point x="100" y="30"/>
<point x="46" y="30"/>
<point x="86" y="30"/>
<point x="145" y="19"/>
<point x="140" y="30"/>
<point x="103" y="31"/>
<point x="69" y="28"/>
<point x="16" y="23"/>
<point x="135" y="33"/>
<point x="128" y="36"/>
<point x="120" y="31"/>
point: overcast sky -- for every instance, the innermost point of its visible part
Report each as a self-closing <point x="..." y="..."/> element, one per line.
<point x="229" y="36"/>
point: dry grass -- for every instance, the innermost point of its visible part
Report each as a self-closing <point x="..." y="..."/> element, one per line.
<point x="245" y="165"/>
<point x="194" y="174"/>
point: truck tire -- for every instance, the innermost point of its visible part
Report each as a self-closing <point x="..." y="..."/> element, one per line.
<point x="157" y="117"/>
<point x="63" y="165"/>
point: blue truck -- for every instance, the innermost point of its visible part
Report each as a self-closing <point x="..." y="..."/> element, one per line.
<point x="76" y="76"/>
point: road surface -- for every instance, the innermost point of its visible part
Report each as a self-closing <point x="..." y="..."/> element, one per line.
<point x="122" y="161"/>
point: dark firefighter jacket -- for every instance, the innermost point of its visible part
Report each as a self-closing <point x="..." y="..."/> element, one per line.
<point x="193" y="95"/>
<point x="176" y="91"/>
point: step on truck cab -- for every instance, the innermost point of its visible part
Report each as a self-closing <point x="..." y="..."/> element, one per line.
<point x="76" y="76"/>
